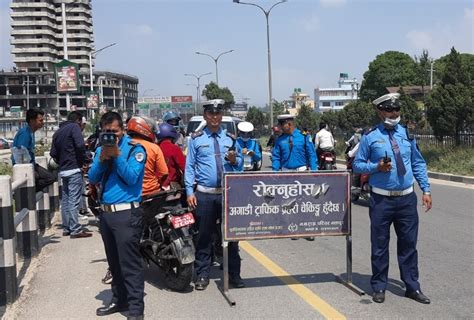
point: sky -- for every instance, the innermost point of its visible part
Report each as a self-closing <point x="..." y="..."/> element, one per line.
<point x="311" y="41"/>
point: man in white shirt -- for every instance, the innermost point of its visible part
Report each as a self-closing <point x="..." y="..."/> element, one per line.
<point x="323" y="141"/>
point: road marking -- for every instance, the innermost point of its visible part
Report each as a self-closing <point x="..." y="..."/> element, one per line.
<point x="307" y="295"/>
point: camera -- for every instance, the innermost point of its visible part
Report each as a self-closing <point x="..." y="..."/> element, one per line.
<point x="107" y="139"/>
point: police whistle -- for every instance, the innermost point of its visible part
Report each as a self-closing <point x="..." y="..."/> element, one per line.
<point x="386" y="159"/>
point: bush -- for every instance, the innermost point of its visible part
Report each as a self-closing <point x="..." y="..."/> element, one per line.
<point x="6" y="169"/>
<point x="454" y="160"/>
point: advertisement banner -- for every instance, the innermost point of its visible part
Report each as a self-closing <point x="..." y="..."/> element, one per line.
<point x="179" y="99"/>
<point x="92" y="100"/>
<point x="286" y="205"/>
<point x="67" y="77"/>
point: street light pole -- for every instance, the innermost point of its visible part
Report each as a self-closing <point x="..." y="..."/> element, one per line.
<point x="215" y="61"/>
<point x="267" y="14"/>
<point x="90" y="62"/>
<point x="198" y="78"/>
<point x="197" y="94"/>
<point x="63" y="9"/>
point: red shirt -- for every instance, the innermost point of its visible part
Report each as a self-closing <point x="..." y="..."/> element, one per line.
<point x="175" y="160"/>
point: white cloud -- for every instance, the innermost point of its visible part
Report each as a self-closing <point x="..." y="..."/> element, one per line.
<point x="144" y="29"/>
<point x="332" y="3"/>
<point x="420" y="39"/>
<point x="311" y="24"/>
<point x="469" y="13"/>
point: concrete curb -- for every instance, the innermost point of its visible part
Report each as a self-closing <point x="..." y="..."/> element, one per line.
<point x="440" y="176"/>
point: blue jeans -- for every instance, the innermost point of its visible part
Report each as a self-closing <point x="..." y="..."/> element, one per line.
<point x="71" y="197"/>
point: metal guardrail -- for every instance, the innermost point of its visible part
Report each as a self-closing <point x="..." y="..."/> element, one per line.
<point x="19" y="234"/>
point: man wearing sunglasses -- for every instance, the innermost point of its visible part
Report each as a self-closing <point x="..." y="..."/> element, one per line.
<point x="390" y="154"/>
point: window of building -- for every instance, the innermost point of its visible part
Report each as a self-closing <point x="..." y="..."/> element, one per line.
<point x="339" y="103"/>
<point x="326" y="104"/>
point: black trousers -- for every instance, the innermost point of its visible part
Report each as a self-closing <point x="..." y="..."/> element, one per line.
<point x="121" y="233"/>
<point x="208" y="211"/>
<point x="43" y="177"/>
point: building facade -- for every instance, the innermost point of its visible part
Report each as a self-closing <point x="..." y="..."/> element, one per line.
<point x="37" y="33"/>
<point x="326" y="99"/>
<point x="38" y="43"/>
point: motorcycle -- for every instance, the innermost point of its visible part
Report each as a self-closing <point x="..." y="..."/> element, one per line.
<point x="360" y="183"/>
<point x="327" y="160"/>
<point x="167" y="238"/>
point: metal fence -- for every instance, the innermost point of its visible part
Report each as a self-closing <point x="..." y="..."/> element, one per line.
<point x="20" y="230"/>
<point x="428" y="137"/>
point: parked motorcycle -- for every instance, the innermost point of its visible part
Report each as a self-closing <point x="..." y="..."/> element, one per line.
<point x="167" y="238"/>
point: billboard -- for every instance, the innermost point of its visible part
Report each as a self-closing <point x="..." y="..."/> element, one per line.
<point x="283" y="205"/>
<point x="92" y="100"/>
<point x="181" y="99"/>
<point x="239" y="107"/>
<point x="67" y="77"/>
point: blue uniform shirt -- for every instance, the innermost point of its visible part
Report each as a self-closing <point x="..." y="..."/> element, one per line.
<point x="294" y="151"/>
<point x="251" y="145"/>
<point x="25" y="137"/>
<point x="201" y="161"/>
<point x="125" y="181"/>
<point x="372" y="149"/>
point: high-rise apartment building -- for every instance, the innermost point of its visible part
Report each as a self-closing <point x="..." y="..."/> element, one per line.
<point x="37" y="33"/>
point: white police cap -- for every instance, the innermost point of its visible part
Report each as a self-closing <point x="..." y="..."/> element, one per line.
<point x="245" y="126"/>
<point x="285" y="117"/>
<point x="391" y="97"/>
<point x="214" y="105"/>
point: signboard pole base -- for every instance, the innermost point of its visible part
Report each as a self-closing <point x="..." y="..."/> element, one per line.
<point x="348" y="281"/>
<point x="225" y="281"/>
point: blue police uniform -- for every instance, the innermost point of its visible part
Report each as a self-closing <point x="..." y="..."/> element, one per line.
<point x="204" y="167"/>
<point x="121" y="182"/>
<point x="294" y="151"/>
<point x="251" y="145"/>
<point x="393" y="201"/>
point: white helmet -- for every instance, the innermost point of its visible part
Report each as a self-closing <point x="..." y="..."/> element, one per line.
<point x="245" y="126"/>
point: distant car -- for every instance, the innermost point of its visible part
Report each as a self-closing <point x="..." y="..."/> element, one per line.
<point x="5" y="143"/>
<point x="198" y="123"/>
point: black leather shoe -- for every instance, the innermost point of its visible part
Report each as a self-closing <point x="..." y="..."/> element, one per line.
<point x="201" y="283"/>
<point x="236" y="281"/>
<point x="418" y="296"/>
<point x="135" y="317"/>
<point x="110" y="309"/>
<point x="379" y="296"/>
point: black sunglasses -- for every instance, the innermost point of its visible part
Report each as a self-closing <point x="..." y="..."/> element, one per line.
<point x="391" y="108"/>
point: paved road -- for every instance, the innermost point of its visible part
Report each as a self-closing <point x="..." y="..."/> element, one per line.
<point x="66" y="284"/>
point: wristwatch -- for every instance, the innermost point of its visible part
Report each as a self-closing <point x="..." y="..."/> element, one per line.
<point x="427" y="193"/>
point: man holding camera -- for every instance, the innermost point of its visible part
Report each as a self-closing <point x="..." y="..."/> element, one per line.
<point x="210" y="153"/>
<point x="119" y="166"/>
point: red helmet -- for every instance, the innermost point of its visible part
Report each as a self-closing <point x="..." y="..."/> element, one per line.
<point x="142" y="126"/>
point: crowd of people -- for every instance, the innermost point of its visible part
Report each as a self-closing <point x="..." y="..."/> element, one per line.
<point x="135" y="159"/>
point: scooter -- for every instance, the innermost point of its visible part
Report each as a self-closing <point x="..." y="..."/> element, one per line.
<point x="167" y="238"/>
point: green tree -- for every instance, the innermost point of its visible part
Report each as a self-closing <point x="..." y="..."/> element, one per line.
<point x="213" y="91"/>
<point x="390" y="69"/>
<point x="423" y="65"/>
<point x="257" y="118"/>
<point x="450" y="106"/>
<point x="357" y="114"/>
<point x="331" y="118"/>
<point x="306" y="118"/>
<point x="410" y="111"/>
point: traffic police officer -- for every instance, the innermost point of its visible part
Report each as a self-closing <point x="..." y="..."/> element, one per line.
<point x="250" y="147"/>
<point x="210" y="153"/>
<point x="390" y="154"/>
<point x="293" y="150"/>
<point x="119" y="168"/>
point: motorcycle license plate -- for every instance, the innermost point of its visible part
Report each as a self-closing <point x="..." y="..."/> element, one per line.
<point x="328" y="159"/>
<point x="182" y="220"/>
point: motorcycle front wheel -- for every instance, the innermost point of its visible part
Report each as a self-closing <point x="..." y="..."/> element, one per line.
<point x="178" y="276"/>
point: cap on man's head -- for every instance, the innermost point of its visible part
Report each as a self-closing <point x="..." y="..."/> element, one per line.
<point x="245" y="126"/>
<point x="215" y="105"/>
<point x="387" y="100"/>
<point x="282" y="118"/>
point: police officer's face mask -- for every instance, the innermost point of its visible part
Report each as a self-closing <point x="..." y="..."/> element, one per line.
<point x="391" y="122"/>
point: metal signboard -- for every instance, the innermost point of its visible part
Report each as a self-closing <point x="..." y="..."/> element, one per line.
<point x="92" y="100"/>
<point x="179" y="99"/>
<point x="283" y="205"/>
